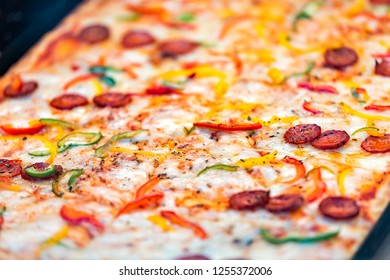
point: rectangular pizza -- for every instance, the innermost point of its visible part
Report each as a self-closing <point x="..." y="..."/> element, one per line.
<point x="198" y="129"/>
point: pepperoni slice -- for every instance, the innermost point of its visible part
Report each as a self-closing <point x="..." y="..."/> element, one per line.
<point x="26" y="89"/>
<point x="136" y="39"/>
<point x="302" y="133"/>
<point x="111" y="99"/>
<point x="339" y="207"/>
<point x="68" y="101"/>
<point x="248" y="200"/>
<point x="10" y="168"/>
<point x="377" y="144"/>
<point x="331" y="139"/>
<point x="94" y="34"/>
<point x="340" y="57"/>
<point x="193" y="257"/>
<point x="41" y="166"/>
<point x="284" y="203"/>
<point x="177" y="47"/>
<point x="383" y="68"/>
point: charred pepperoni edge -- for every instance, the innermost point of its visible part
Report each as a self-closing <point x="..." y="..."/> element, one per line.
<point x="175" y="48"/>
<point x="41" y="166"/>
<point x="10" y="168"/>
<point x="68" y="101"/>
<point x="27" y="88"/>
<point x="331" y="139"/>
<point x="93" y="34"/>
<point x="136" y="39"/>
<point x="340" y="57"/>
<point x="339" y="207"/>
<point x="248" y="200"/>
<point x="111" y="99"/>
<point x="376" y="144"/>
<point x="284" y="203"/>
<point x="302" y="133"/>
<point x="382" y="68"/>
<point x="193" y="257"/>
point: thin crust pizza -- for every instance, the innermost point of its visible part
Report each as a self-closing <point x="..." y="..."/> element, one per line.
<point x="198" y="129"/>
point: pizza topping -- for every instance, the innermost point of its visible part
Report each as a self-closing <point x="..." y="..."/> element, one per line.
<point x="331" y="139"/>
<point x="80" y="79"/>
<point x="34" y="129"/>
<point x="340" y="57"/>
<point x="299" y="167"/>
<point x="177" y="220"/>
<point x="19" y="88"/>
<point x="56" y="122"/>
<point x="174" y="48"/>
<point x="10" y="168"/>
<point x="307" y="71"/>
<point x="103" y="150"/>
<point x="41" y="171"/>
<point x="252" y="162"/>
<point x="374" y="107"/>
<point x="78" y="139"/>
<point x="284" y="203"/>
<point x="146" y="201"/>
<point x="75" y="173"/>
<point x="376" y="144"/>
<point x="77" y="217"/>
<point x="267" y="236"/>
<point x="307" y="12"/>
<point x="141" y="191"/>
<point x="308" y="107"/>
<point x="351" y="111"/>
<point x="68" y="101"/>
<point x="162" y="90"/>
<point x="228" y="127"/>
<point x="136" y="39"/>
<point x="302" y="133"/>
<point x="372" y="130"/>
<point x="218" y="167"/>
<point x="249" y="200"/>
<point x="339" y="207"/>
<point x="111" y="99"/>
<point x="318" y="88"/>
<point x="2" y="210"/>
<point x="319" y="187"/>
<point x="94" y="34"/>
<point x="382" y="68"/>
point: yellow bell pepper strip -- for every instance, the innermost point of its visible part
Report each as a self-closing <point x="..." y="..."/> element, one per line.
<point x="6" y="184"/>
<point x="267" y="236"/>
<point x="349" y="110"/>
<point x="276" y="76"/>
<point x="374" y="107"/>
<point x="161" y="222"/>
<point x="341" y="179"/>
<point x="56" y="122"/>
<point x="141" y="191"/>
<point x="360" y="94"/>
<point x="218" y="167"/>
<point x="372" y="130"/>
<point x="77" y="217"/>
<point x="252" y="162"/>
<point x="103" y="150"/>
<point x="180" y="221"/>
<point x="299" y="168"/>
<point x="160" y="157"/>
<point x="52" y="241"/>
<point x="146" y="201"/>
<point x="319" y="167"/>
<point x="228" y="127"/>
<point x="356" y="8"/>
<point x="78" y="139"/>
<point x="276" y="119"/>
<point x="74" y="174"/>
<point x="220" y="88"/>
<point x="307" y="12"/>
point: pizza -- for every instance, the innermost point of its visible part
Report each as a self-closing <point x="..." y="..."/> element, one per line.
<point x="198" y="129"/>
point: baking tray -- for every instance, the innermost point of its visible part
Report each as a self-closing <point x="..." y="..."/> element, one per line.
<point x="24" y="22"/>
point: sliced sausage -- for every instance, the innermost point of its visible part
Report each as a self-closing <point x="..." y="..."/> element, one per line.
<point x="41" y="166"/>
<point x="331" y="139"/>
<point x="339" y="207"/>
<point x="136" y="39"/>
<point x="94" y="34"/>
<point x="340" y="57"/>
<point x="382" y="68"/>
<point x="68" y="101"/>
<point x="111" y="99"/>
<point x="193" y="257"/>
<point x="284" y="203"/>
<point x="10" y="168"/>
<point x="302" y="133"/>
<point x="377" y="144"/>
<point x="248" y="200"/>
<point x="177" y="47"/>
<point x="26" y="89"/>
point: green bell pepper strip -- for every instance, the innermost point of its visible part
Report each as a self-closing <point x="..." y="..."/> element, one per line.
<point x="78" y="139"/>
<point x="188" y="131"/>
<point x="107" y="80"/>
<point x="103" y="69"/>
<point x="130" y="17"/>
<point x="50" y="121"/>
<point x="39" y="152"/>
<point x="186" y="17"/>
<point x="299" y="239"/>
<point x="307" y="12"/>
<point x="218" y="167"/>
<point x="309" y="68"/>
<point x="55" y="185"/>
<point x="2" y="210"/>
<point x="103" y="150"/>
<point x="50" y="170"/>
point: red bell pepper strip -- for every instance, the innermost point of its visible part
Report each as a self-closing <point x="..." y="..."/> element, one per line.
<point x="161" y="90"/>
<point x="141" y="202"/>
<point x="76" y="217"/>
<point x="141" y="191"/>
<point x="318" y="88"/>
<point x="2" y="210"/>
<point x="80" y="79"/>
<point x="307" y="106"/>
<point x="228" y="127"/>
<point x="299" y="167"/>
<point x="177" y="220"/>
<point x="374" y="107"/>
<point x="319" y="186"/>
<point x="9" y="129"/>
<point x="381" y="55"/>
